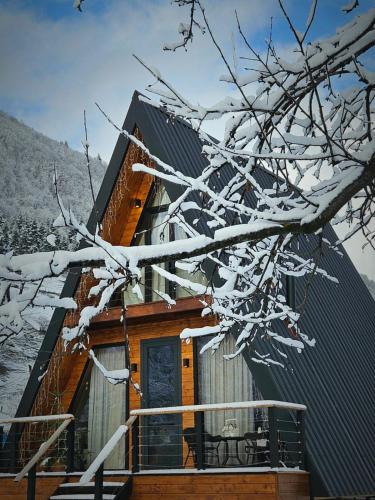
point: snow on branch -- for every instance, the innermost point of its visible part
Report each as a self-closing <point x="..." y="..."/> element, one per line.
<point x="297" y="154"/>
<point x="113" y="376"/>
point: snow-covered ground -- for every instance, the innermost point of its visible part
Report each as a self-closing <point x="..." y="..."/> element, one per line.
<point x="17" y="357"/>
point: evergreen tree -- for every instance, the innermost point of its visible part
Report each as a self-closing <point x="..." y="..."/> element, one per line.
<point x="33" y="237"/>
<point x="4" y="236"/>
<point x="15" y="238"/>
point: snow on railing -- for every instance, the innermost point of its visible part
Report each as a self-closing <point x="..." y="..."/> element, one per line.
<point x="132" y="424"/>
<point x="122" y="430"/>
<point x="220" y="406"/>
<point x="42" y="418"/>
<point x="106" y="450"/>
<point x="67" y="418"/>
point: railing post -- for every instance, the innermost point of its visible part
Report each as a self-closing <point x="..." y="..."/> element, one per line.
<point x="98" y="495"/>
<point x="199" y="437"/>
<point x="31" y="483"/>
<point x="2" y="454"/>
<point x="301" y="429"/>
<point x="273" y="438"/>
<point x="13" y="449"/>
<point x="135" y="443"/>
<point x="70" y="438"/>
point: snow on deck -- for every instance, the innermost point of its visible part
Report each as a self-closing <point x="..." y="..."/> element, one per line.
<point x="221" y="470"/>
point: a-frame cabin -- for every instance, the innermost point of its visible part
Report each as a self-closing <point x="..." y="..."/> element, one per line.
<point x="247" y="449"/>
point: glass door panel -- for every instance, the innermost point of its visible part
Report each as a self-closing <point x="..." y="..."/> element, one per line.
<point x="161" y="434"/>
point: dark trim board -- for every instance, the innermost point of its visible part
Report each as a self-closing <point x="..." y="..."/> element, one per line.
<point x="42" y="361"/>
<point x="335" y="379"/>
<point x="47" y="346"/>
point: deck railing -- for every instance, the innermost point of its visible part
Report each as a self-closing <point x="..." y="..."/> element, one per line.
<point x="262" y="435"/>
<point x="240" y="434"/>
<point x="40" y="451"/>
<point x="273" y="441"/>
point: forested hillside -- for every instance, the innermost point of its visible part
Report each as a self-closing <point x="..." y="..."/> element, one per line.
<point x="27" y="163"/>
<point x="28" y="208"/>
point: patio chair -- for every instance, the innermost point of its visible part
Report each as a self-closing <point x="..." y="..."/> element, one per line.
<point x="211" y="446"/>
<point x="189" y="437"/>
<point x="254" y="448"/>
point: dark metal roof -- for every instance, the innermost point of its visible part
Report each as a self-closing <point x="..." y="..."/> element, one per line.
<point x="335" y="379"/>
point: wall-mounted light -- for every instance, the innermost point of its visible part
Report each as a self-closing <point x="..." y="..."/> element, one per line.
<point x="133" y="367"/>
<point x="137" y="203"/>
<point x="186" y="362"/>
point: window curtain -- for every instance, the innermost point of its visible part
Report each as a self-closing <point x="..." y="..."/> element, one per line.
<point x="225" y="381"/>
<point x="106" y="408"/>
<point x="197" y="277"/>
<point x="130" y="297"/>
<point x="159" y="234"/>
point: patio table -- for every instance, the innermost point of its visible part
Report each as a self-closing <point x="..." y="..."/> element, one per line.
<point x="227" y="452"/>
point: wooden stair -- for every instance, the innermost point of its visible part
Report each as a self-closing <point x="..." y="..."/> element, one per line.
<point x="112" y="490"/>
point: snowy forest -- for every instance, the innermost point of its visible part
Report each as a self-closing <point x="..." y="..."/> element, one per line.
<point x="28" y="205"/>
<point x="23" y="234"/>
<point x="27" y="210"/>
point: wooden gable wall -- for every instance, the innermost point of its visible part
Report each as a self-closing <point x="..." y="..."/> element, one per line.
<point x="60" y="381"/>
<point x="118" y="226"/>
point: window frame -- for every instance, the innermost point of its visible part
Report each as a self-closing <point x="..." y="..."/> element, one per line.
<point x="145" y="227"/>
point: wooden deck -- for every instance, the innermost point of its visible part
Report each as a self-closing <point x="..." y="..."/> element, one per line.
<point x="180" y="485"/>
<point x="231" y="486"/>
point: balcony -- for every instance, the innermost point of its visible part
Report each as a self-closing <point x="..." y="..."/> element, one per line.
<point x="156" y="444"/>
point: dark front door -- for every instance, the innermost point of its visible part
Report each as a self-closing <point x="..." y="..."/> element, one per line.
<point x="161" y="436"/>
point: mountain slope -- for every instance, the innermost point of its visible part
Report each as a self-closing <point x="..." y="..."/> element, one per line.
<point x="27" y="160"/>
<point x="27" y="208"/>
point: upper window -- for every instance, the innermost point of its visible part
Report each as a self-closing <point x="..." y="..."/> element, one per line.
<point x="152" y="230"/>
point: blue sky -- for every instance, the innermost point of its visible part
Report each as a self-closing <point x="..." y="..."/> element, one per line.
<point x="55" y="61"/>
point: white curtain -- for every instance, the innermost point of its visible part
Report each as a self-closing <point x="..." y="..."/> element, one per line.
<point x="106" y="407"/>
<point x="225" y="381"/>
<point x="197" y="277"/>
<point x="159" y="234"/>
<point x="129" y="296"/>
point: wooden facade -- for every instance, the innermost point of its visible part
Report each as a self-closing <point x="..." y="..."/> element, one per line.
<point x="145" y="321"/>
<point x="229" y="486"/>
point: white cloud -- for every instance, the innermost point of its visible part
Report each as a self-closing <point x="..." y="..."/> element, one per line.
<point x="52" y="70"/>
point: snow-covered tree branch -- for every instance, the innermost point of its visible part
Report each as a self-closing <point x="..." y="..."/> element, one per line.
<point x="298" y="153"/>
